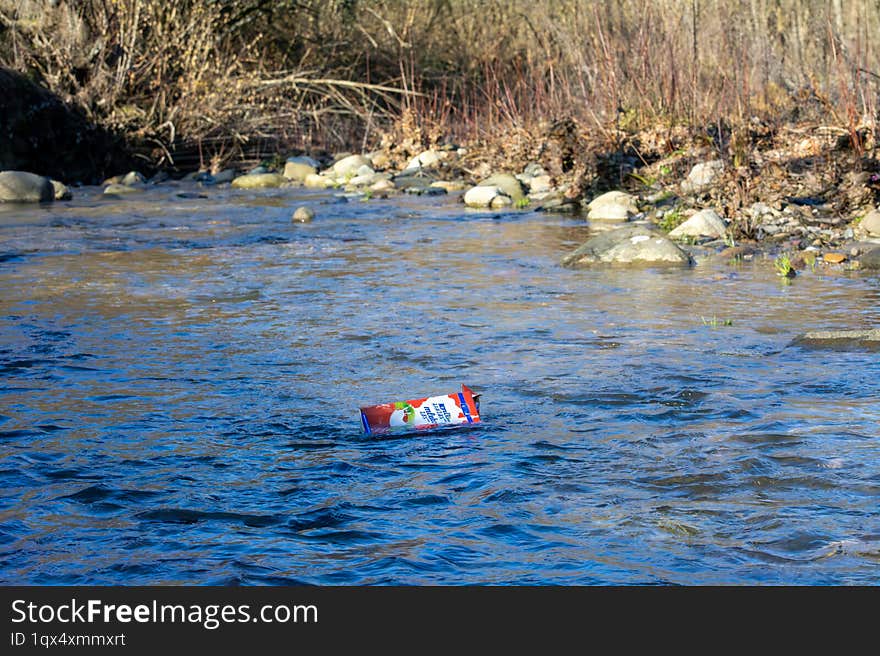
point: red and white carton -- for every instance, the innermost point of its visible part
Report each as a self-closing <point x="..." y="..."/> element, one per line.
<point x="433" y="411"/>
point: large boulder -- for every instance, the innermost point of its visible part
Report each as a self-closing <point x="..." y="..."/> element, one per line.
<point x="705" y="223"/>
<point x="612" y="206"/>
<point x="23" y="187"/>
<point x="702" y="176"/>
<point x="628" y="245"/>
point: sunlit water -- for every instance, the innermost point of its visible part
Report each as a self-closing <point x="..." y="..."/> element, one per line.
<point x="180" y="381"/>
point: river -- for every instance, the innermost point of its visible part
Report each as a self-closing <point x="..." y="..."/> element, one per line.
<point x="181" y="372"/>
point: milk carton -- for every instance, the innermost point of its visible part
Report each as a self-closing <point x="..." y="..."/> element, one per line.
<point x="447" y="410"/>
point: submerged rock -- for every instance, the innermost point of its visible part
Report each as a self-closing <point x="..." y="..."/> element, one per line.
<point x="259" y="181"/>
<point x="24" y="187"/>
<point x="705" y="223"/>
<point x="628" y="245"/>
<point x="303" y="214"/>
<point x="840" y="339"/>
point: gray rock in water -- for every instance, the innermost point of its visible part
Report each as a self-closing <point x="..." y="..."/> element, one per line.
<point x="116" y="189"/>
<point x="23" y="187"/>
<point x="871" y="259"/>
<point x="840" y="339"/>
<point x="133" y="178"/>
<point x="303" y="214"/>
<point x="259" y="181"/>
<point x="628" y="245"/>
<point x="226" y="175"/>
<point x="61" y="191"/>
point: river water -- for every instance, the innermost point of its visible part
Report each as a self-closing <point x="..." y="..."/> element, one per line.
<point x="180" y="380"/>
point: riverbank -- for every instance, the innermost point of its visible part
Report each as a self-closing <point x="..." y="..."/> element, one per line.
<point x="801" y="194"/>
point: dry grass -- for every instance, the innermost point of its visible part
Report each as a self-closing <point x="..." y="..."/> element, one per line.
<point x="219" y="81"/>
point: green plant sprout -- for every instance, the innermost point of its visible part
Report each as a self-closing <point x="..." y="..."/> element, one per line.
<point x="783" y="266"/>
<point x="714" y="322"/>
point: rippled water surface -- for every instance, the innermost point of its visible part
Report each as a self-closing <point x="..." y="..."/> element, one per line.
<point x="180" y="378"/>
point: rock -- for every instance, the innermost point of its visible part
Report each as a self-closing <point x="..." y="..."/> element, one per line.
<point x="379" y="159"/>
<point x="705" y="223"/>
<point x="702" y="176"/>
<point x="612" y="206"/>
<point x="840" y="339"/>
<point x="258" y="170"/>
<point x="303" y="215"/>
<point x="481" y="196"/>
<point x="870" y="260"/>
<point x="540" y="184"/>
<point x="131" y="178"/>
<point x="23" y="187"/>
<point x="534" y="169"/>
<point x="304" y="159"/>
<point x="295" y="169"/>
<point x="834" y="258"/>
<point x="61" y="190"/>
<point x="382" y="185"/>
<point x="116" y="189"/>
<point x="628" y="245"/>
<point x="259" y="181"/>
<point x="871" y="223"/>
<point x="315" y="181"/>
<point x="424" y="160"/>
<point x="348" y="166"/>
<point x="501" y="201"/>
<point x="226" y="175"/>
<point x="449" y="185"/>
<point x="363" y="180"/>
<point x="507" y="183"/>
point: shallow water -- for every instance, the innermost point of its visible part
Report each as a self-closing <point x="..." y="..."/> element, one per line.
<point x="181" y="379"/>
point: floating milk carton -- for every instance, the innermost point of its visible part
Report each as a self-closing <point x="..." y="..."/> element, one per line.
<point x="447" y="410"/>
